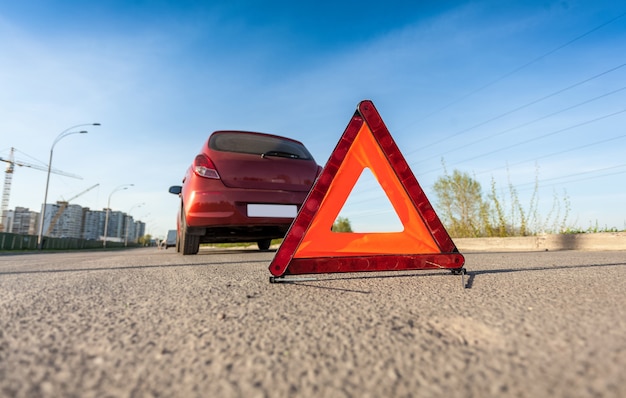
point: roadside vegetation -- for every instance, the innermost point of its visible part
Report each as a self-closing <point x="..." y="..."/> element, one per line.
<point x="467" y="212"/>
<point x="342" y="224"/>
<point x="592" y="230"/>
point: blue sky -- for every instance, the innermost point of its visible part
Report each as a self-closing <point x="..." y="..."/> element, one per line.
<point x="514" y="92"/>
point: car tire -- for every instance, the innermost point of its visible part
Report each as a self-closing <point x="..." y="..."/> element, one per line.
<point x="264" y="244"/>
<point x="189" y="244"/>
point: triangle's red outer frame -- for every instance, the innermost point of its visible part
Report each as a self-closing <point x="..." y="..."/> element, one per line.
<point x="284" y="263"/>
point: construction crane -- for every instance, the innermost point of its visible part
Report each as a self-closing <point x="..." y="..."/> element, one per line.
<point x="8" y="177"/>
<point x="62" y="206"/>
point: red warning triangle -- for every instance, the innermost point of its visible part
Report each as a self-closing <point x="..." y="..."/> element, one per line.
<point x="310" y="247"/>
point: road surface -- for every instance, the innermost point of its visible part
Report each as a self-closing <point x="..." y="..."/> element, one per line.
<point x="148" y="322"/>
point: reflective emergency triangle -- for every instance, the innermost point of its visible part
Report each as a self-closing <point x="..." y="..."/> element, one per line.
<point x="310" y="247"/>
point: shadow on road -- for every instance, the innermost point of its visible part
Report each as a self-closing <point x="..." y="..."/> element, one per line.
<point x="472" y="275"/>
<point x="312" y="281"/>
<point x="468" y="280"/>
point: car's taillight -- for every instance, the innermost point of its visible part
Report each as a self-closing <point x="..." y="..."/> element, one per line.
<point x="204" y="167"/>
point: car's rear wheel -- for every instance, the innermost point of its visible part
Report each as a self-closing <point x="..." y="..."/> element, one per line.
<point x="189" y="244"/>
<point x="264" y="244"/>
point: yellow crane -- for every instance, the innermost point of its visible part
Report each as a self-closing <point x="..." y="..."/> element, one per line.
<point x="62" y="206"/>
<point x="8" y="177"/>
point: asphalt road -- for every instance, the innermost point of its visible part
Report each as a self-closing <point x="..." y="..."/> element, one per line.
<point x="144" y="322"/>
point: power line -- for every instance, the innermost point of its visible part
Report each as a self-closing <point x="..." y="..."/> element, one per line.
<point x="536" y="138"/>
<point x="547" y="135"/>
<point x="522" y="125"/>
<point x="519" y="68"/>
<point x="526" y="105"/>
<point x="559" y="152"/>
<point x="580" y="174"/>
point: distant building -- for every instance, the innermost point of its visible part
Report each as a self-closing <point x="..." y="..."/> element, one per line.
<point x="6" y="221"/>
<point x="129" y="229"/>
<point x="93" y="224"/>
<point x="115" y="228"/>
<point x="133" y="230"/>
<point x="63" y="220"/>
<point x="140" y="229"/>
<point x="22" y="221"/>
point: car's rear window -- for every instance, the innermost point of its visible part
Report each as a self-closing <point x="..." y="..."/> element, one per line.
<point x="258" y="144"/>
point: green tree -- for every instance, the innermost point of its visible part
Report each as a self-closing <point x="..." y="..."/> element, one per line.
<point x="145" y="240"/>
<point x="341" y="224"/>
<point x="462" y="208"/>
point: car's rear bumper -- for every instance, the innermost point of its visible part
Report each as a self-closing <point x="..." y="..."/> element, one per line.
<point x="229" y="208"/>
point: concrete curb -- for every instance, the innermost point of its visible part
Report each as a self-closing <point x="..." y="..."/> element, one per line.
<point x="610" y="241"/>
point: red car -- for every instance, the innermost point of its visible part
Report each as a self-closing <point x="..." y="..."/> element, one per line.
<point x="243" y="187"/>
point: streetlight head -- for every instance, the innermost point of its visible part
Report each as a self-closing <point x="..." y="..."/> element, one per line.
<point x="95" y="124"/>
<point x="83" y="132"/>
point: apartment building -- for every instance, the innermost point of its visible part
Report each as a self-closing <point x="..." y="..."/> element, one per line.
<point x="93" y="224"/>
<point x="63" y="220"/>
<point x="21" y="221"/>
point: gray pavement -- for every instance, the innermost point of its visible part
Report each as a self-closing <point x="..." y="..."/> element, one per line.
<point x="144" y="322"/>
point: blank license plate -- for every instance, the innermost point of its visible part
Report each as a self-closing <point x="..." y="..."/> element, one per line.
<point x="272" y="210"/>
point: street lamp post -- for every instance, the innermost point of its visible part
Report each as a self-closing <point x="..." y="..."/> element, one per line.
<point x="63" y="134"/>
<point x="106" y="218"/>
<point x="128" y="216"/>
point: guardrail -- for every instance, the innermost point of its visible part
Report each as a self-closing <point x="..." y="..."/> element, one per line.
<point x="608" y="241"/>
<point x="9" y="241"/>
